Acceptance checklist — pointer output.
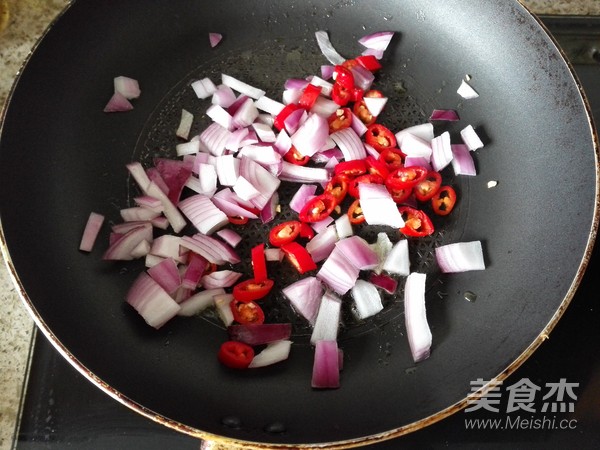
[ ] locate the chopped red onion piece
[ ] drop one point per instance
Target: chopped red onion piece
(219, 115)
(156, 178)
(210, 248)
(363, 78)
(358, 125)
(350, 144)
(230, 207)
(328, 318)
(244, 189)
(423, 131)
(261, 179)
(118, 103)
(460, 257)
(148, 202)
(214, 138)
(283, 142)
(127, 87)
(291, 96)
(415, 146)
(378, 206)
(167, 246)
(91, 231)
(273, 353)
(324, 107)
(411, 161)
(383, 246)
(234, 142)
(223, 96)
(166, 274)
(377, 41)
(321, 246)
(220, 279)
(222, 302)
(151, 301)
(367, 300)
(343, 226)
(260, 334)
(326, 365)
(466, 91)
(463, 163)
(170, 211)
(385, 282)
(241, 87)
(470, 138)
(152, 260)
(263, 154)
(175, 174)
(160, 222)
(207, 177)
(185, 124)
(302, 174)
(230, 236)
(122, 248)
(371, 151)
(246, 114)
(327, 71)
(269, 105)
(268, 213)
(295, 84)
(311, 136)
(326, 86)
(141, 250)
(294, 120)
(188, 148)
(305, 296)
(397, 260)
(214, 39)
(228, 169)
(274, 254)
(199, 302)
(301, 197)
(441, 154)
(327, 48)
(264, 132)
(371, 51)
(138, 213)
(449, 115)
(204, 88)
(321, 225)
(124, 227)
(417, 328)
(358, 252)
(203, 213)
(375, 104)
(337, 272)
(193, 271)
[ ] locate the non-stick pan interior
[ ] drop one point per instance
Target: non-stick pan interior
(62, 157)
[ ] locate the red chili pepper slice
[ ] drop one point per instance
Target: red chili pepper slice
(299, 257)
(392, 157)
(341, 95)
(293, 156)
(247, 312)
(279, 121)
(366, 178)
(350, 63)
(250, 290)
(428, 187)
(352, 168)
(369, 62)
(380, 137)
(377, 167)
(355, 213)
(284, 233)
(344, 77)
(238, 220)
(338, 187)
(400, 194)
(444, 200)
(259, 263)
(309, 96)
(235, 355)
(406, 177)
(361, 110)
(340, 119)
(416, 222)
(318, 208)
(306, 231)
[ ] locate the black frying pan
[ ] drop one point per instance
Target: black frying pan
(62, 157)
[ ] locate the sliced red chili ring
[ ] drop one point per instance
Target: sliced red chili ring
(318, 208)
(393, 157)
(259, 262)
(279, 121)
(235, 355)
(401, 194)
(351, 168)
(251, 290)
(340, 119)
(427, 187)
(355, 213)
(416, 222)
(295, 157)
(247, 312)
(362, 112)
(380, 137)
(299, 257)
(444, 200)
(406, 177)
(338, 187)
(369, 62)
(306, 231)
(309, 96)
(284, 233)
(377, 167)
(366, 178)
(341, 95)
(344, 77)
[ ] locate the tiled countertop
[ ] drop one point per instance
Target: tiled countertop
(26, 22)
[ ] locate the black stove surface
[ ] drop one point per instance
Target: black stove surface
(63, 410)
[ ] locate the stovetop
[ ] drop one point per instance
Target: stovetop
(61, 409)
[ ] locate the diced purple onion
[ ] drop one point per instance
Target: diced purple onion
(377, 41)
(118, 103)
(441, 149)
(367, 300)
(305, 297)
(204, 88)
(358, 252)
(185, 124)
(375, 104)
(122, 248)
(423, 131)
(343, 226)
(223, 96)
(167, 246)
(230, 236)
(328, 318)
(378, 206)
(338, 273)
(224, 312)
(311, 136)
(417, 328)
(383, 246)
(326, 367)
(264, 182)
(466, 91)
(350, 144)
(219, 115)
(398, 260)
(374, 52)
(471, 138)
(241, 87)
(295, 83)
(358, 125)
(127, 87)
(138, 213)
(214, 138)
(274, 254)
(214, 39)
(448, 115)
(199, 301)
(463, 163)
(91, 231)
(326, 86)
(269, 212)
(385, 282)
(193, 272)
(260, 334)
(460, 257)
(302, 174)
(327, 48)
(415, 146)
(213, 250)
(411, 161)
(166, 274)
(327, 71)
(301, 197)
(273, 353)
(321, 246)
(220, 279)
(246, 114)
(151, 301)
(204, 215)
(363, 78)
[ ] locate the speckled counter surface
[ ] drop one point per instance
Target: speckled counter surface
(26, 22)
